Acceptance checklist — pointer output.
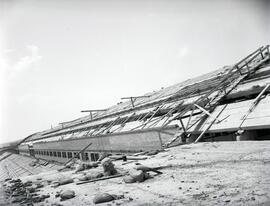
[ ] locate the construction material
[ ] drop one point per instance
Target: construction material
(210, 100)
(147, 169)
(209, 126)
(92, 111)
(254, 104)
(100, 179)
(108, 167)
(118, 157)
(133, 99)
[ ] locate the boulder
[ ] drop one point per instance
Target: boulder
(79, 167)
(103, 197)
(91, 165)
(136, 176)
(94, 175)
(67, 194)
(108, 167)
(82, 178)
(129, 179)
(65, 181)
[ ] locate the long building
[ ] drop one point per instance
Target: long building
(231, 103)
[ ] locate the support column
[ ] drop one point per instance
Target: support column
(242, 135)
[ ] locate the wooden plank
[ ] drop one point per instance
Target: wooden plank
(207, 128)
(100, 179)
(253, 105)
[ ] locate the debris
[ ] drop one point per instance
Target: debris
(136, 176)
(83, 178)
(67, 194)
(65, 181)
(83, 166)
(32, 164)
(103, 197)
(147, 169)
(91, 176)
(124, 158)
(108, 167)
(102, 156)
(100, 179)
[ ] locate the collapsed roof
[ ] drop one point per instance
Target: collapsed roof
(167, 106)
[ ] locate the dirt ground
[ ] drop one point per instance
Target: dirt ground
(218, 173)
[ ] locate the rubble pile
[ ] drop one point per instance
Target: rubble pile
(24, 193)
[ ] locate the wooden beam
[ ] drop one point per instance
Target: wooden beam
(205, 111)
(100, 179)
(91, 111)
(77, 155)
(183, 126)
(208, 127)
(254, 104)
(133, 99)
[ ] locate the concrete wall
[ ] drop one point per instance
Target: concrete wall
(64, 159)
(123, 142)
(23, 149)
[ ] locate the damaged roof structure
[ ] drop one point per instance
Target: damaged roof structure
(231, 103)
(211, 106)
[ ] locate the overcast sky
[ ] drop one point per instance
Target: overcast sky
(59, 57)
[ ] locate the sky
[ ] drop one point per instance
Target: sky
(60, 57)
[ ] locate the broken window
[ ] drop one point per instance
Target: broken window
(69, 154)
(86, 156)
(96, 156)
(64, 154)
(59, 154)
(74, 154)
(92, 157)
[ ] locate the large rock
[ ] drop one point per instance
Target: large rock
(65, 181)
(103, 197)
(67, 194)
(129, 179)
(108, 167)
(93, 175)
(79, 167)
(82, 178)
(136, 176)
(90, 165)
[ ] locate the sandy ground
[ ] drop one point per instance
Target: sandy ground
(219, 173)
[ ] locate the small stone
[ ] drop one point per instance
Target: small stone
(253, 198)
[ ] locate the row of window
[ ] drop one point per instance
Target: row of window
(83, 156)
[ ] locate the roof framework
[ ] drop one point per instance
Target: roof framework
(194, 100)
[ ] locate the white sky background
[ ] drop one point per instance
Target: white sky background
(60, 57)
